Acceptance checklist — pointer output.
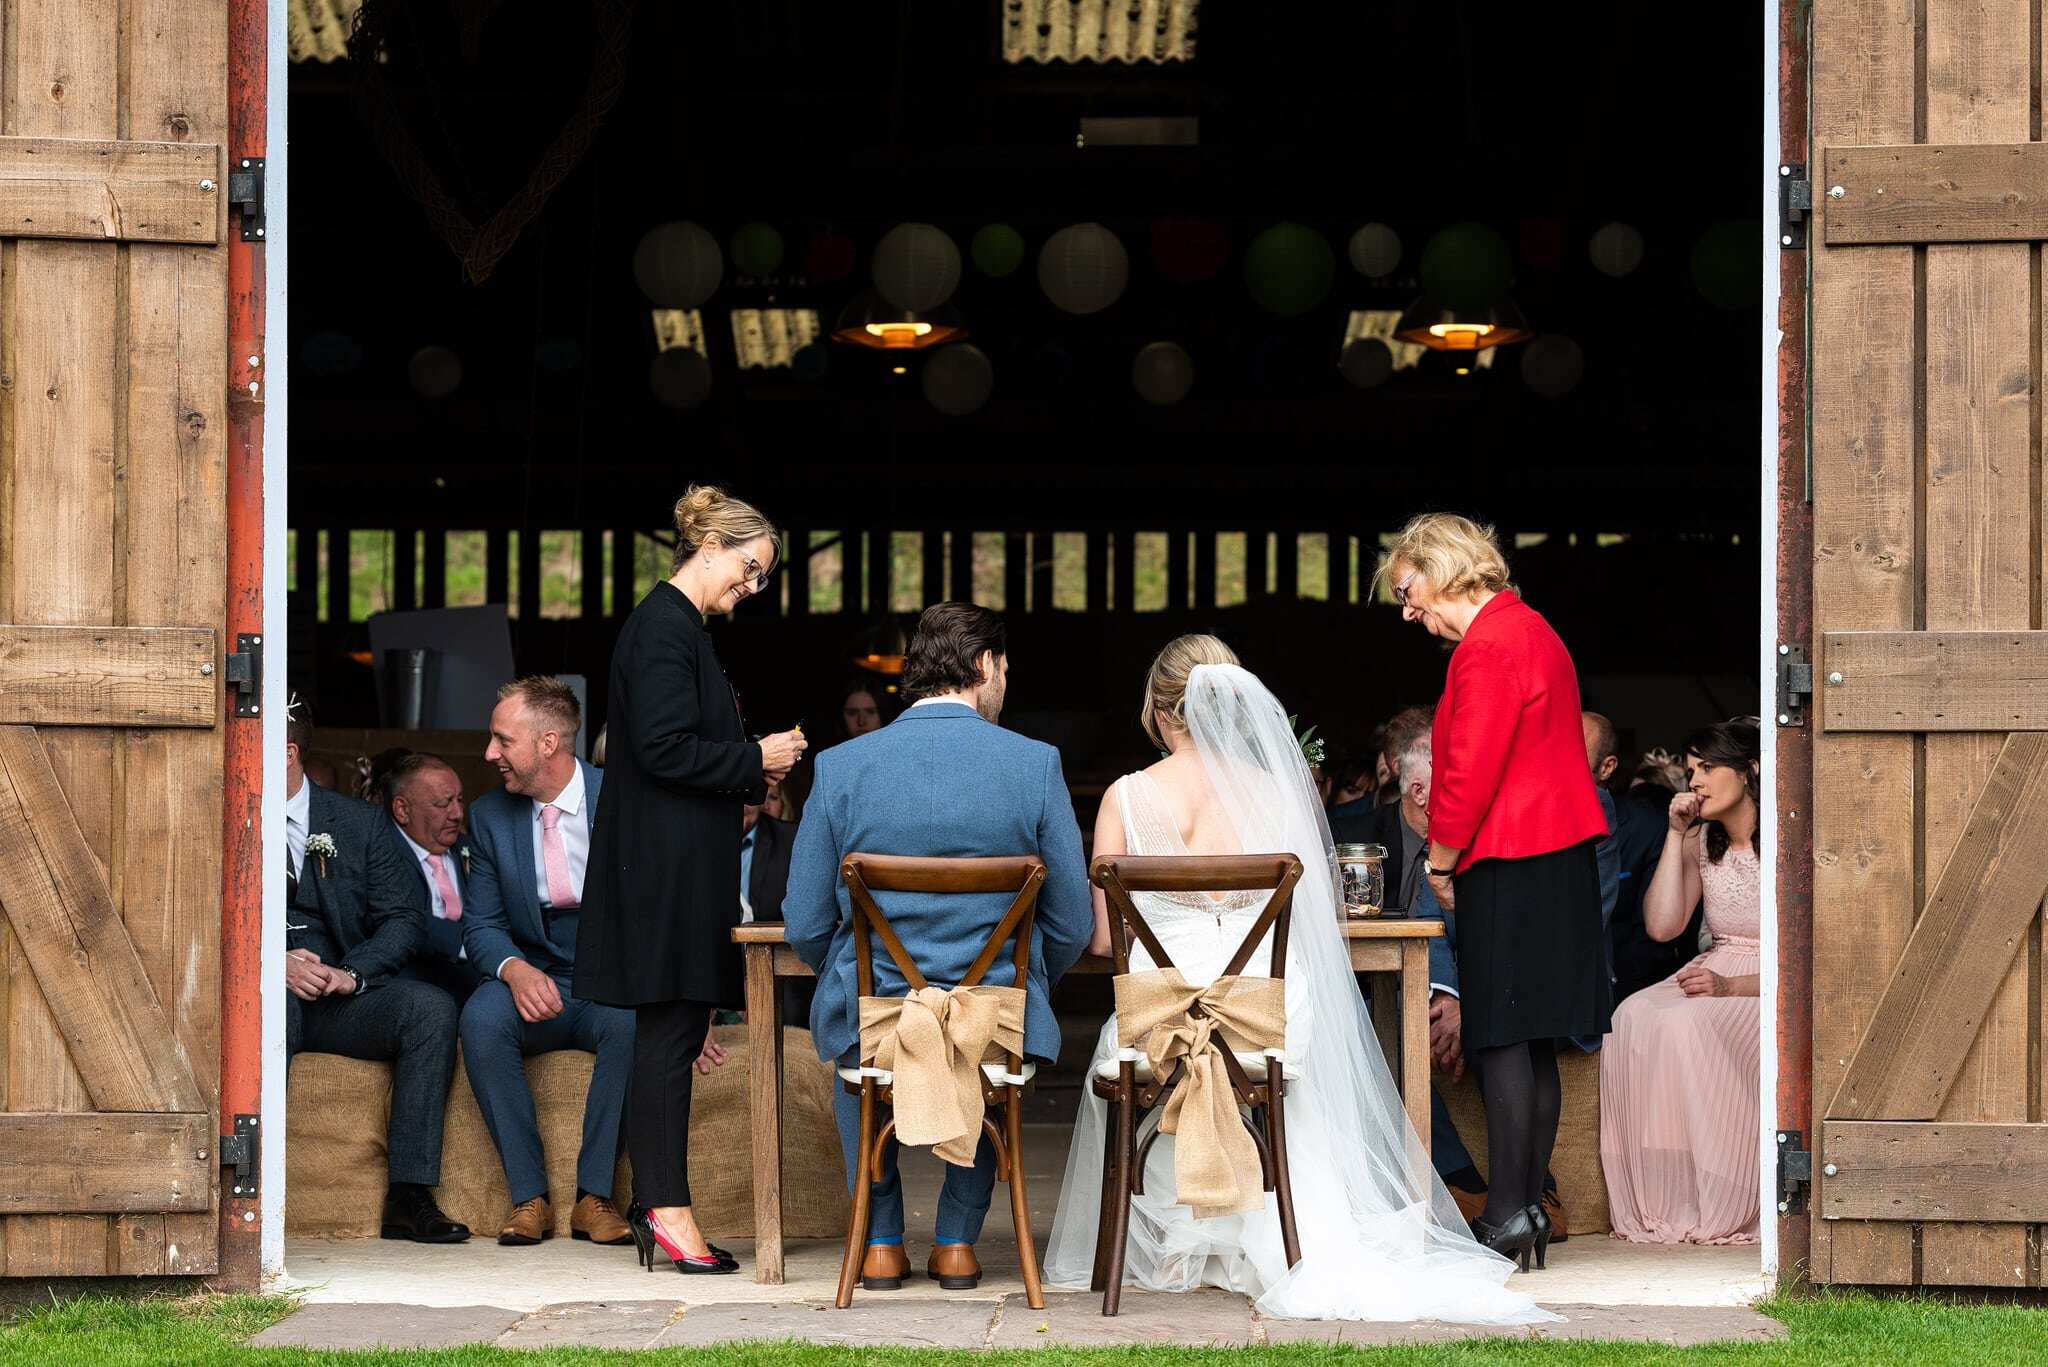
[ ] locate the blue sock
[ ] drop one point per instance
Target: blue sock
(891, 1239)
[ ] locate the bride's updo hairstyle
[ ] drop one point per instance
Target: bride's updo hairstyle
(1460, 557)
(1166, 687)
(705, 509)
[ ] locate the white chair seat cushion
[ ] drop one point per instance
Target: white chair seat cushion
(996, 1074)
(1254, 1067)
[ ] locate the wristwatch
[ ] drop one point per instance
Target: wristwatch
(1430, 870)
(355, 976)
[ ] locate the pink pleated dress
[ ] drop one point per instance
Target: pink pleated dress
(1678, 1088)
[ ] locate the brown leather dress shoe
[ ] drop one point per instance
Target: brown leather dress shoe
(1471, 1204)
(884, 1267)
(529, 1222)
(595, 1218)
(1553, 1206)
(955, 1267)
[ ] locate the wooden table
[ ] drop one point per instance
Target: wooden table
(1396, 947)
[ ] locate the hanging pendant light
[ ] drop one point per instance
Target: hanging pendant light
(1443, 328)
(869, 320)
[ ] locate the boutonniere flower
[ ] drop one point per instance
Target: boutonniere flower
(464, 849)
(320, 845)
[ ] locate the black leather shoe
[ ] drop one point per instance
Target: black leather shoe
(410, 1213)
(1512, 1239)
(1541, 1222)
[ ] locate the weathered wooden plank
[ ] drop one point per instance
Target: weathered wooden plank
(63, 917)
(111, 191)
(109, 676)
(1935, 680)
(110, 1162)
(1917, 193)
(1973, 926)
(1863, 384)
(1905, 1170)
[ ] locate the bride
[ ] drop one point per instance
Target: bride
(1380, 1237)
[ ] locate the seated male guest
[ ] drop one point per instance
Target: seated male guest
(1400, 827)
(532, 845)
(941, 779)
(353, 921)
(765, 846)
(426, 806)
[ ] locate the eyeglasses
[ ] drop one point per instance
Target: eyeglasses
(755, 574)
(1401, 589)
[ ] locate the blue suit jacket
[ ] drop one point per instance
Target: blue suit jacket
(501, 912)
(444, 938)
(938, 781)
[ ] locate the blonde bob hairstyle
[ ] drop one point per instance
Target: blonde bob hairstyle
(706, 510)
(1166, 686)
(1459, 557)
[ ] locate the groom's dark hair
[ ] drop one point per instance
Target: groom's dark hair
(949, 638)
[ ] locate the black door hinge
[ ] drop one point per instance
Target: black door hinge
(1795, 1173)
(245, 673)
(1795, 205)
(243, 1153)
(245, 192)
(1795, 685)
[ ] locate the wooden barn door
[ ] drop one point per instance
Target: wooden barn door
(113, 425)
(1930, 788)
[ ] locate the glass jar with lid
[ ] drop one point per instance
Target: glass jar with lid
(1363, 867)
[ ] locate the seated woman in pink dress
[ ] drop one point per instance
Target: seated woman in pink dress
(1678, 1075)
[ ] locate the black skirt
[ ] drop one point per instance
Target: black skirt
(1532, 957)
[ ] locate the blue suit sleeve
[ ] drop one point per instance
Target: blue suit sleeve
(810, 905)
(1607, 855)
(1066, 912)
(486, 928)
(1443, 950)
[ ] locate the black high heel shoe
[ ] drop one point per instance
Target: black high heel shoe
(645, 1242)
(1512, 1239)
(1542, 1223)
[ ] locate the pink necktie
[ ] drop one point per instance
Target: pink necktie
(554, 857)
(451, 900)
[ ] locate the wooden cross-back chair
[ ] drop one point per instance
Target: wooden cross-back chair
(1129, 1085)
(1004, 1084)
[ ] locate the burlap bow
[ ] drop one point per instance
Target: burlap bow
(1215, 1163)
(934, 1040)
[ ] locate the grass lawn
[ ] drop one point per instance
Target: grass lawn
(1846, 1329)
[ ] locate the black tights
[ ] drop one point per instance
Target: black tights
(1520, 1087)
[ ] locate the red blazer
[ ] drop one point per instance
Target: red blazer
(1508, 749)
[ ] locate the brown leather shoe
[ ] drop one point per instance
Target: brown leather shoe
(529, 1222)
(1553, 1206)
(884, 1268)
(595, 1218)
(955, 1267)
(1471, 1204)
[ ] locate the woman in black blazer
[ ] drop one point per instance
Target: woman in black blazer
(661, 892)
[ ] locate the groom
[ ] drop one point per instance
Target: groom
(941, 780)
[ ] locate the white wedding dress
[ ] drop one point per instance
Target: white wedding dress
(1380, 1237)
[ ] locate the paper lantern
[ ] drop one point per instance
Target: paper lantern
(756, 249)
(1188, 250)
(997, 249)
(1615, 249)
(1163, 372)
(1727, 265)
(1366, 362)
(679, 377)
(1466, 266)
(1289, 268)
(1083, 268)
(678, 264)
(435, 372)
(1552, 365)
(958, 379)
(1375, 250)
(916, 266)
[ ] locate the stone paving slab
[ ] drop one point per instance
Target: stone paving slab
(874, 1319)
(387, 1326)
(1684, 1326)
(592, 1324)
(1199, 1319)
(1376, 1334)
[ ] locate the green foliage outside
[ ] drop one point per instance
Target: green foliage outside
(1826, 1331)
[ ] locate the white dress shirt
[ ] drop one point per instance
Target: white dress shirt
(574, 829)
(298, 819)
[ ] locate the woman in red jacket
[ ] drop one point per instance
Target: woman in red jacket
(1513, 819)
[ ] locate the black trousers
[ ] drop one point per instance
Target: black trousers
(413, 1025)
(667, 1037)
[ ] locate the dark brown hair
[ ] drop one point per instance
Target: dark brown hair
(949, 638)
(397, 779)
(1733, 745)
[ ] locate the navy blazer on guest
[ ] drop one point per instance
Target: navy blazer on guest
(444, 938)
(501, 912)
(357, 907)
(939, 781)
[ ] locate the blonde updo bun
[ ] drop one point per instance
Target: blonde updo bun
(1166, 686)
(705, 510)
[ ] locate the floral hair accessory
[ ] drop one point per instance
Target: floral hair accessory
(1311, 746)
